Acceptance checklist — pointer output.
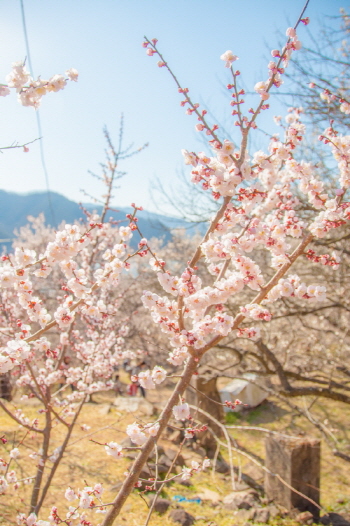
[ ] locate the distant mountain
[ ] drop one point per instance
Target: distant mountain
(15, 209)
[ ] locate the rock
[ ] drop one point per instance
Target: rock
(240, 485)
(254, 472)
(261, 515)
(241, 500)
(305, 517)
(161, 505)
(284, 512)
(334, 519)
(181, 516)
(176, 436)
(244, 515)
(148, 481)
(163, 459)
(199, 450)
(145, 473)
(161, 468)
(160, 450)
(133, 404)
(222, 466)
(166, 461)
(171, 454)
(251, 483)
(274, 511)
(208, 494)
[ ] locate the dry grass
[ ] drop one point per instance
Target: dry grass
(86, 463)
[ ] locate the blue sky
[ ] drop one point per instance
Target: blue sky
(102, 40)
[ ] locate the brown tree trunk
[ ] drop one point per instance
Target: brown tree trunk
(5, 387)
(204, 394)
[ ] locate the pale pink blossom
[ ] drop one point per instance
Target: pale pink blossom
(56, 83)
(290, 32)
(181, 412)
(158, 375)
(72, 74)
(136, 435)
(4, 91)
(146, 380)
(113, 449)
(228, 57)
(70, 494)
(152, 429)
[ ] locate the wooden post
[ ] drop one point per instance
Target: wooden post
(297, 462)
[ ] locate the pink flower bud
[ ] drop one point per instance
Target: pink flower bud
(291, 32)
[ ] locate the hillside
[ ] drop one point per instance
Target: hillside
(15, 209)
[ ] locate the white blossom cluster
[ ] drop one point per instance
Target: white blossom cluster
(30, 91)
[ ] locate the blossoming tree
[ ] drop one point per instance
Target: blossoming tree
(258, 213)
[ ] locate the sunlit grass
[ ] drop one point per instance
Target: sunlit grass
(86, 463)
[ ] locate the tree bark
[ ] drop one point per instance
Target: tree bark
(137, 466)
(203, 393)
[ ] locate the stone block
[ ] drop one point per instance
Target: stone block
(297, 462)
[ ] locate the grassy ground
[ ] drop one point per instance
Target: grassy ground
(86, 463)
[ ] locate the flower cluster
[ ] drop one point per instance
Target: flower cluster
(30, 91)
(196, 467)
(137, 432)
(148, 379)
(275, 69)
